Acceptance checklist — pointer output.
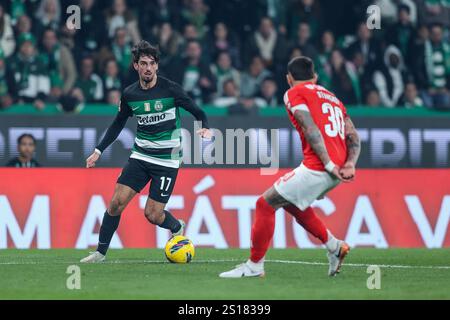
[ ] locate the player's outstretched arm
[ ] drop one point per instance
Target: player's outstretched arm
(111, 135)
(314, 137)
(183, 100)
(353, 150)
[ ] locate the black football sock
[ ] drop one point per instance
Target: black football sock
(170, 222)
(109, 226)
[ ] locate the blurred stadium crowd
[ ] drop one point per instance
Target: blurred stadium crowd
(231, 54)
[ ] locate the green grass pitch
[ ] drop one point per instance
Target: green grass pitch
(290, 274)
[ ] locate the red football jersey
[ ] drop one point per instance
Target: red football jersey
(328, 113)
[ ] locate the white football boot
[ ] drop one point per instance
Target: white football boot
(181, 231)
(242, 270)
(337, 257)
(93, 257)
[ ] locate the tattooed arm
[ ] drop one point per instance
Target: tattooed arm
(353, 150)
(314, 137)
(353, 142)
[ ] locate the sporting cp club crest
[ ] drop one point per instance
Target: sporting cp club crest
(147, 106)
(158, 105)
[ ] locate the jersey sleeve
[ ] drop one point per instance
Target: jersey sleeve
(124, 109)
(117, 125)
(184, 101)
(294, 101)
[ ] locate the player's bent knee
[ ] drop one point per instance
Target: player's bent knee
(116, 207)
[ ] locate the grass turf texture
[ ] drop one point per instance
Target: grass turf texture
(145, 274)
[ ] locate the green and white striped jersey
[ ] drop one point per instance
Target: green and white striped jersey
(158, 135)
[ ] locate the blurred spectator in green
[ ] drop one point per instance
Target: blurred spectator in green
(169, 41)
(223, 40)
(275, 10)
(19, 8)
(119, 50)
(402, 32)
(268, 44)
(252, 79)
(32, 83)
(119, 16)
(294, 53)
(193, 74)
(91, 36)
(373, 98)
(88, 82)
(24, 25)
(68, 38)
(368, 46)
(6, 83)
(267, 97)
(229, 94)
(411, 97)
(305, 11)
(223, 70)
(365, 77)
(157, 13)
(389, 10)
(322, 62)
(303, 40)
(232, 100)
(344, 79)
(111, 78)
(196, 13)
(190, 32)
(433, 69)
(435, 11)
(48, 16)
(59, 62)
(113, 97)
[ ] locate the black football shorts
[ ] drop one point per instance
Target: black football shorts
(137, 173)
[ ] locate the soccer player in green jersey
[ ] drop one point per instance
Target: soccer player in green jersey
(156, 154)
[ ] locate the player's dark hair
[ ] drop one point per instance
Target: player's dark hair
(301, 68)
(145, 49)
(26, 135)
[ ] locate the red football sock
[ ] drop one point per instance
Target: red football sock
(309, 221)
(262, 229)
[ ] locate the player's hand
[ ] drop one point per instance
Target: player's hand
(336, 172)
(205, 133)
(348, 172)
(90, 162)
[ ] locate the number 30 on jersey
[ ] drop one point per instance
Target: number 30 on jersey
(336, 118)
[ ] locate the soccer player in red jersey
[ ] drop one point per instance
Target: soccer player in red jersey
(331, 148)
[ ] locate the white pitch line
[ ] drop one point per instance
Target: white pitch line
(360, 265)
(356, 265)
(112, 262)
